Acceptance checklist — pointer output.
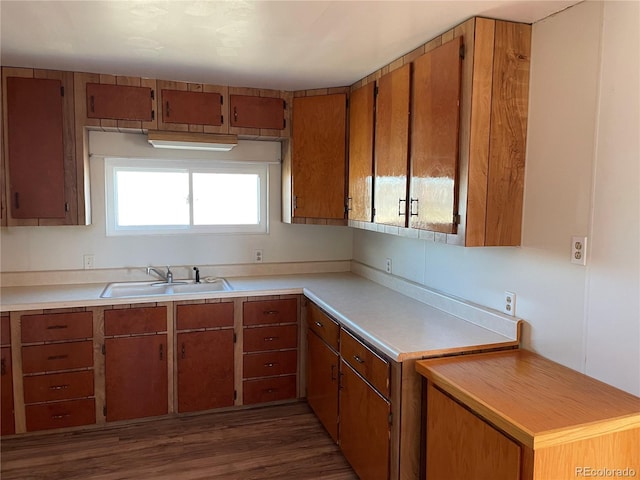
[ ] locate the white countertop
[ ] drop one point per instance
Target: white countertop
(400, 326)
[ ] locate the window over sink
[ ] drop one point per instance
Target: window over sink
(159, 196)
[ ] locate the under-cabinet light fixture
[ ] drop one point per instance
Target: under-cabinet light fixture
(192, 141)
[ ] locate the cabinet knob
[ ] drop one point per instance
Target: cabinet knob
(358, 359)
(319, 324)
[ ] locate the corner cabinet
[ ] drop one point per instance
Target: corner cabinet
(514, 415)
(314, 175)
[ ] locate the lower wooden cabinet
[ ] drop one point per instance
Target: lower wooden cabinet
(7, 422)
(461, 445)
(70, 413)
(322, 382)
(136, 377)
(205, 370)
(262, 390)
(364, 426)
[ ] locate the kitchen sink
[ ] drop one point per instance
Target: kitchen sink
(149, 289)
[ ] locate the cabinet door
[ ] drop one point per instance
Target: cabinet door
(319, 156)
(194, 108)
(461, 445)
(35, 147)
(435, 128)
(392, 145)
(7, 425)
(119, 102)
(136, 377)
(322, 383)
(361, 124)
(205, 370)
(364, 426)
(257, 112)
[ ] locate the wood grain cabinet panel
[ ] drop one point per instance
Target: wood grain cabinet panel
(71, 413)
(264, 312)
(58, 386)
(460, 445)
(119, 102)
(57, 356)
(324, 326)
(361, 128)
(204, 315)
(195, 108)
(131, 321)
(267, 364)
(269, 389)
(5, 330)
(56, 326)
(435, 125)
(392, 147)
(270, 337)
(371, 366)
(249, 111)
(136, 377)
(322, 383)
(364, 426)
(319, 156)
(205, 370)
(7, 419)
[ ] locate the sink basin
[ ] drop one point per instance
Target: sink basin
(149, 289)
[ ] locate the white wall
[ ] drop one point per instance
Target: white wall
(567, 308)
(62, 248)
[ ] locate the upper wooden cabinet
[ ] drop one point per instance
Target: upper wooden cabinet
(319, 156)
(492, 136)
(39, 147)
(435, 121)
(391, 147)
(192, 107)
(361, 126)
(119, 102)
(257, 112)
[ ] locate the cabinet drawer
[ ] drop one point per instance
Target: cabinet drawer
(129, 321)
(5, 330)
(56, 326)
(57, 356)
(270, 311)
(59, 386)
(204, 315)
(268, 389)
(326, 328)
(270, 363)
(60, 414)
(368, 364)
(275, 337)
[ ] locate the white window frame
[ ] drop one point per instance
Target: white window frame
(112, 164)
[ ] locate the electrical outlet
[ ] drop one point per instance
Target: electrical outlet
(579, 250)
(387, 265)
(509, 304)
(257, 255)
(89, 261)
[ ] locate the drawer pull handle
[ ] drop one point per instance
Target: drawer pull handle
(61, 416)
(319, 324)
(270, 364)
(57, 357)
(167, 110)
(270, 312)
(161, 351)
(358, 359)
(58, 387)
(92, 104)
(270, 339)
(57, 327)
(270, 390)
(235, 114)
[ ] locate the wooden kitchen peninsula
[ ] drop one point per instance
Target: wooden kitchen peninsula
(517, 415)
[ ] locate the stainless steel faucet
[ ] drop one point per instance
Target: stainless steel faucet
(167, 277)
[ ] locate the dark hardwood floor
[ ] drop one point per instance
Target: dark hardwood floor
(278, 442)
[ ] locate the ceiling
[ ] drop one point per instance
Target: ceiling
(288, 45)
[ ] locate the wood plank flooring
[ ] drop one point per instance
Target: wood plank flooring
(277, 442)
